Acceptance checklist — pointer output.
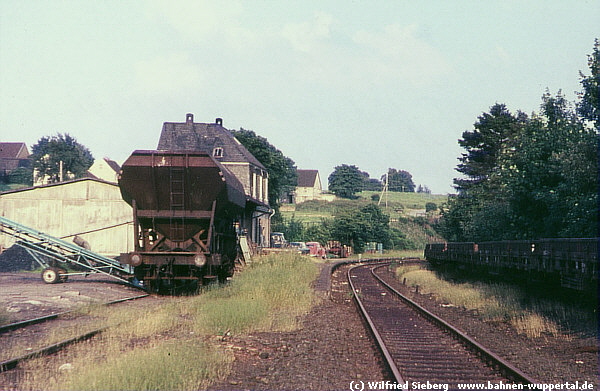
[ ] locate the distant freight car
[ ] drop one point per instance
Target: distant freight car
(572, 263)
(187, 209)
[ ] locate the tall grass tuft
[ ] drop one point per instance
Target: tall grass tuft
(162, 365)
(492, 302)
(270, 295)
(534, 325)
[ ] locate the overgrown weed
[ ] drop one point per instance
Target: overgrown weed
(498, 303)
(270, 295)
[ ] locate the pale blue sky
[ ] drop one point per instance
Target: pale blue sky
(376, 84)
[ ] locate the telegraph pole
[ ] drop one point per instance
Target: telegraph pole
(384, 192)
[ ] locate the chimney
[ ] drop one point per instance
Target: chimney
(189, 118)
(219, 121)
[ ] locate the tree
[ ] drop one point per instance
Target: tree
(431, 207)
(50, 153)
(319, 232)
(552, 180)
(358, 227)
(543, 183)
(423, 189)
(484, 144)
(530, 178)
(345, 181)
(283, 176)
(399, 180)
(481, 191)
(293, 229)
(589, 104)
(371, 184)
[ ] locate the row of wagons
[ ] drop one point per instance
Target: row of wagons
(574, 261)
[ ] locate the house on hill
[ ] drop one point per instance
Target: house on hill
(219, 142)
(308, 188)
(13, 156)
(309, 185)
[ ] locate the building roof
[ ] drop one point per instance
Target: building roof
(205, 137)
(64, 183)
(13, 151)
(112, 164)
(307, 178)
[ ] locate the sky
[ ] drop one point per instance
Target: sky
(375, 84)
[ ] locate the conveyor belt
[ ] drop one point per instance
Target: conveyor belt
(38, 243)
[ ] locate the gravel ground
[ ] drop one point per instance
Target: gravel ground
(332, 348)
(25, 296)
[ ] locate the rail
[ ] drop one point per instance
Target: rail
(41, 319)
(492, 360)
(382, 346)
(505, 367)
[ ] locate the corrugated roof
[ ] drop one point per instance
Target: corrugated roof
(94, 179)
(204, 137)
(307, 178)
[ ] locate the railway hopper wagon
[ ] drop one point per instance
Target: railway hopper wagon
(570, 263)
(187, 209)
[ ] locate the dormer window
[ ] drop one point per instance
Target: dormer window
(218, 152)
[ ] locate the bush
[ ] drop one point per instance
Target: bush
(430, 207)
(21, 175)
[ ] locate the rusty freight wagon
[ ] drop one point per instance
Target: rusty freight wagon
(187, 209)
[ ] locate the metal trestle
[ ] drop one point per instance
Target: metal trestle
(40, 244)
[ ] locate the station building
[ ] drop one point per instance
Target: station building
(219, 142)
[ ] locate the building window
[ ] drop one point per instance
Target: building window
(218, 152)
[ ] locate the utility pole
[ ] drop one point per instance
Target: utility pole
(384, 192)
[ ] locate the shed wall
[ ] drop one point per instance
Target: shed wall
(73, 208)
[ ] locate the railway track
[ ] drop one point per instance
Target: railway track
(42, 319)
(31, 330)
(419, 348)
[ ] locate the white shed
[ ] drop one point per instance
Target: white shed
(89, 208)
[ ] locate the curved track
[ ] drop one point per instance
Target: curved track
(420, 347)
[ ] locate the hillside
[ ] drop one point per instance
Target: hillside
(407, 213)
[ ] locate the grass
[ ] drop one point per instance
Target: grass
(267, 296)
(500, 303)
(314, 210)
(407, 200)
(171, 345)
(167, 365)
(12, 349)
(12, 186)
(4, 316)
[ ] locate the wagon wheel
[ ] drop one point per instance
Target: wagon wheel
(51, 275)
